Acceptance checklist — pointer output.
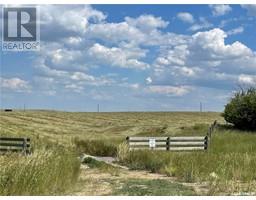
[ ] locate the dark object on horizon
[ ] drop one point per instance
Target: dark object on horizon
(241, 110)
(7, 110)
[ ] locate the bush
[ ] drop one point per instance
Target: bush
(95, 147)
(241, 110)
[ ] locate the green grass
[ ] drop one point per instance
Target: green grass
(157, 187)
(96, 147)
(231, 159)
(45, 172)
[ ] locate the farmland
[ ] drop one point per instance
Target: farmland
(229, 167)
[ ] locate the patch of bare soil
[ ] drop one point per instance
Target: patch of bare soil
(93, 181)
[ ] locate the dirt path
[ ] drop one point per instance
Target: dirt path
(96, 181)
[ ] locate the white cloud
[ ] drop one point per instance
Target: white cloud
(79, 76)
(73, 40)
(116, 57)
(236, 31)
(15, 84)
(169, 90)
(115, 32)
(247, 79)
(220, 9)
(75, 18)
(74, 87)
(185, 17)
(210, 45)
(147, 23)
(148, 80)
(205, 60)
(143, 30)
(202, 24)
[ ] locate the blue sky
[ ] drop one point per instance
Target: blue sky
(134, 58)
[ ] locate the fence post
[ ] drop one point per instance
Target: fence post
(206, 143)
(127, 140)
(209, 132)
(25, 146)
(168, 144)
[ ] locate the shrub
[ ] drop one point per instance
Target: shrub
(241, 110)
(96, 147)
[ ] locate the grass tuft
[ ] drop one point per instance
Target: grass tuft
(42, 173)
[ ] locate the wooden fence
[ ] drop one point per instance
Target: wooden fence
(168, 143)
(15, 145)
(172, 143)
(211, 129)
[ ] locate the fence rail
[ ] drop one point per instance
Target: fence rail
(15, 145)
(168, 143)
(172, 143)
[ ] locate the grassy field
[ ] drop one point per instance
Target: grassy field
(229, 167)
(62, 127)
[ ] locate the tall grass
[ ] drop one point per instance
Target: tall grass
(230, 160)
(96, 147)
(45, 172)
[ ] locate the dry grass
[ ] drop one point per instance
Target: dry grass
(63, 126)
(46, 171)
(233, 161)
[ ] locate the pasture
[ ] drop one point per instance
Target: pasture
(228, 167)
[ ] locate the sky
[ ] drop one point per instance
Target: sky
(133, 58)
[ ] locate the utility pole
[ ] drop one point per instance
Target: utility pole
(24, 107)
(201, 107)
(98, 108)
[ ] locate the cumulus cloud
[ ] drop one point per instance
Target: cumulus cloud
(220, 9)
(211, 45)
(170, 64)
(61, 21)
(202, 24)
(117, 57)
(141, 30)
(205, 61)
(15, 84)
(185, 17)
(169, 90)
(147, 23)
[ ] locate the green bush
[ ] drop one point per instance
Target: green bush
(241, 110)
(96, 147)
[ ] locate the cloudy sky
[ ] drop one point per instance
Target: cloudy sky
(134, 58)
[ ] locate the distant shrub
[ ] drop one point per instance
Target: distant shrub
(241, 110)
(96, 147)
